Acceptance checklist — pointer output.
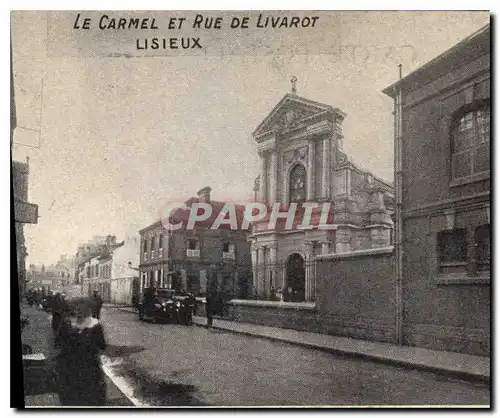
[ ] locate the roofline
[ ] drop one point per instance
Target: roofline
(290, 95)
(156, 223)
(390, 91)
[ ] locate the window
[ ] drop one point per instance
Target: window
(470, 133)
(160, 241)
(145, 245)
(464, 255)
(153, 242)
(482, 247)
(193, 244)
(452, 246)
(298, 178)
(160, 278)
(225, 247)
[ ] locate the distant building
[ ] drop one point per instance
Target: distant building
(124, 272)
(193, 260)
(445, 164)
(89, 249)
(111, 271)
(94, 266)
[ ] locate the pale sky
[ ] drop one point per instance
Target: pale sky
(120, 136)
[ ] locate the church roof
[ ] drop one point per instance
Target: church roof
(308, 107)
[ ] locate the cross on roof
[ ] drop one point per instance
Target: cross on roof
(294, 85)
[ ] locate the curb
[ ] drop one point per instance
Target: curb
(462, 375)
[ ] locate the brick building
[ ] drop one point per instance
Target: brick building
(443, 115)
(192, 260)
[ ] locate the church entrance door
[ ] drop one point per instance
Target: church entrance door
(295, 279)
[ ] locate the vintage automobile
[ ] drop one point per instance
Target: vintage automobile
(162, 306)
(168, 306)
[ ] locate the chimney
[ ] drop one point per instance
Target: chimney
(204, 194)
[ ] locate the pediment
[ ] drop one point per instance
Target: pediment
(290, 111)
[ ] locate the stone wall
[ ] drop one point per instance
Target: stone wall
(356, 299)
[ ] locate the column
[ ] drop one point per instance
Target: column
(309, 261)
(272, 267)
(325, 169)
(254, 268)
(273, 179)
(311, 164)
(261, 266)
(263, 178)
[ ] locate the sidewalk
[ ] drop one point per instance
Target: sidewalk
(38, 373)
(463, 366)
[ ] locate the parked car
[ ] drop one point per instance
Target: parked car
(162, 306)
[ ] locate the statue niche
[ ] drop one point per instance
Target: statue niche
(298, 183)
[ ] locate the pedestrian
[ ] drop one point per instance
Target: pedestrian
(97, 305)
(209, 308)
(58, 313)
(280, 295)
(80, 375)
(135, 302)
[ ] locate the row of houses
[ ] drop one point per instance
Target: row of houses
(109, 267)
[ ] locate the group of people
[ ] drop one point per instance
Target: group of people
(35, 296)
(78, 336)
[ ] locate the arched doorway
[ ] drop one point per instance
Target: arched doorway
(295, 290)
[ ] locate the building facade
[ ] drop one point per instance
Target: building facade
(301, 157)
(24, 213)
(443, 110)
(195, 259)
(124, 273)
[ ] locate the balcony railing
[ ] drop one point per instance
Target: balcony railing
(160, 252)
(153, 253)
(229, 255)
(193, 253)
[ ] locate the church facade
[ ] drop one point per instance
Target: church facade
(301, 161)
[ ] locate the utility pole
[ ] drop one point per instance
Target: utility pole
(398, 224)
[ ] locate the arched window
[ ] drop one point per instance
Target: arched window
(298, 181)
(470, 135)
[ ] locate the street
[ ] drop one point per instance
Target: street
(174, 365)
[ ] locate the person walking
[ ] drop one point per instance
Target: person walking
(135, 302)
(210, 308)
(97, 305)
(58, 313)
(79, 371)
